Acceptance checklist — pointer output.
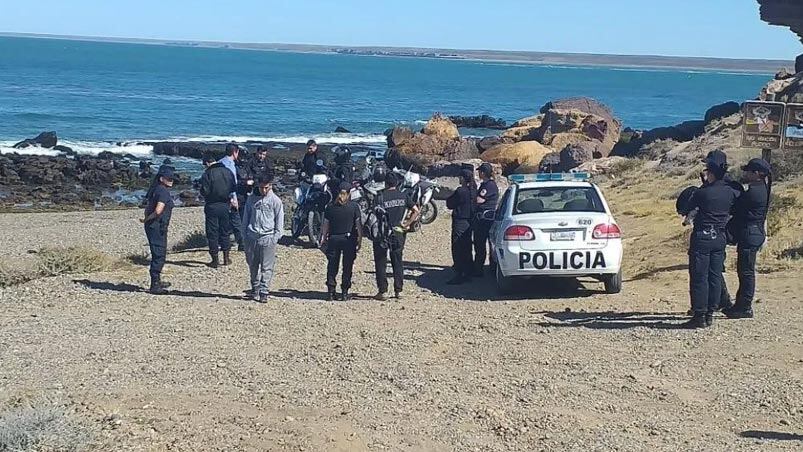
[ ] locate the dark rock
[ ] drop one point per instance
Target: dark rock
(487, 143)
(575, 155)
(398, 136)
(551, 163)
(787, 13)
(44, 139)
(721, 111)
(342, 130)
(685, 131)
(65, 149)
(783, 74)
(479, 122)
(799, 64)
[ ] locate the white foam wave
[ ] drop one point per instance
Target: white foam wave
(331, 138)
(81, 147)
(6, 148)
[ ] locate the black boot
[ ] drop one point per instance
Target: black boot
(709, 320)
(345, 296)
(156, 286)
(215, 262)
(739, 312)
(226, 258)
(332, 296)
(696, 322)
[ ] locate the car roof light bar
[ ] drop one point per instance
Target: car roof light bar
(549, 177)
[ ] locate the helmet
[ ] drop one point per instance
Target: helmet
(342, 154)
(380, 172)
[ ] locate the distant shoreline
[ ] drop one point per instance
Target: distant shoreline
(647, 62)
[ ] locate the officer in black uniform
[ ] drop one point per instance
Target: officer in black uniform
(487, 197)
(341, 238)
(748, 228)
(395, 204)
(260, 166)
(462, 204)
(707, 246)
(309, 164)
(158, 210)
(217, 184)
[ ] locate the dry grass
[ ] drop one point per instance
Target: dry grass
(194, 241)
(12, 276)
(42, 426)
(73, 260)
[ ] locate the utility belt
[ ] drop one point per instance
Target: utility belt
(709, 232)
(346, 235)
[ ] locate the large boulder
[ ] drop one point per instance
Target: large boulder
(514, 157)
(479, 122)
(721, 111)
(523, 130)
(583, 116)
(488, 142)
(44, 139)
(562, 140)
(799, 64)
(442, 127)
(399, 135)
(439, 140)
(577, 154)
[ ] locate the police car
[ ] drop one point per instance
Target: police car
(555, 225)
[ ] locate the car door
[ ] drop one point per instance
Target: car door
(501, 212)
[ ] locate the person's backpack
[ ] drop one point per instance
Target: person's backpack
(378, 227)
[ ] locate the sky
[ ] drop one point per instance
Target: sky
(712, 28)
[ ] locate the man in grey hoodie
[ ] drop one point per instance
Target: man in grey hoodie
(264, 226)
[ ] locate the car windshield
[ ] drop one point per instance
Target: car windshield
(557, 199)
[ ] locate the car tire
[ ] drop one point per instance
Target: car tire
(503, 283)
(613, 283)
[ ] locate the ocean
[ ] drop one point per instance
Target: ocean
(108, 96)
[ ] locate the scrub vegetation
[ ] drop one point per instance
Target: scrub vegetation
(42, 425)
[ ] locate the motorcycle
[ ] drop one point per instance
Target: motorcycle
(421, 191)
(311, 199)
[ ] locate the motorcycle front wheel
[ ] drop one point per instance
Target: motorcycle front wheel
(429, 212)
(315, 227)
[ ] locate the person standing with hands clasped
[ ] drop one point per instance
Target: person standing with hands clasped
(342, 238)
(217, 186)
(462, 204)
(487, 197)
(707, 246)
(395, 204)
(158, 210)
(748, 228)
(264, 226)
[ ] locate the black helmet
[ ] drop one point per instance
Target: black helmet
(342, 154)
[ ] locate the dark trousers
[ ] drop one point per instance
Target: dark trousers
(482, 230)
(706, 261)
(218, 226)
(461, 247)
(236, 219)
(746, 267)
(157, 241)
(395, 249)
(340, 247)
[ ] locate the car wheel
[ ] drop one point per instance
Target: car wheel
(503, 283)
(613, 283)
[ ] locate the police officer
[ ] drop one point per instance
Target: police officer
(158, 210)
(487, 197)
(217, 185)
(395, 204)
(707, 245)
(341, 239)
(309, 164)
(461, 202)
(748, 228)
(260, 166)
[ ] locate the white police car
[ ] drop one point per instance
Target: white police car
(555, 225)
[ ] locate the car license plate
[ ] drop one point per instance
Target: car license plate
(562, 236)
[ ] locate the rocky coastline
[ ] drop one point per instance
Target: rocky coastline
(562, 135)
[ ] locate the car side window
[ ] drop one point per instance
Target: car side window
(500, 211)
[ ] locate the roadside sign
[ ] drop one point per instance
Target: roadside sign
(793, 128)
(763, 124)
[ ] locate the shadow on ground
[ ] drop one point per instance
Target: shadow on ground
(435, 277)
(129, 288)
(613, 320)
(657, 271)
(777, 436)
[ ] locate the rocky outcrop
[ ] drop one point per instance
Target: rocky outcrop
(524, 156)
(479, 122)
(722, 111)
(685, 131)
(438, 141)
(789, 90)
(341, 129)
(579, 116)
(799, 64)
(524, 130)
(45, 139)
(787, 13)
(487, 143)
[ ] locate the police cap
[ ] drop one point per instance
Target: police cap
(758, 165)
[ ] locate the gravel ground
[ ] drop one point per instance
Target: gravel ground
(558, 367)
